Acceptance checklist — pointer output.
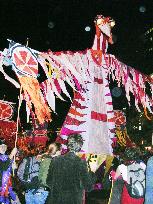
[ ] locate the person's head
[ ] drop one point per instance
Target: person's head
(131, 154)
(3, 146)
(75, 142)
(54, 149)
(32, 150)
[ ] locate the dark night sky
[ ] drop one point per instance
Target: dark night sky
(22, 19)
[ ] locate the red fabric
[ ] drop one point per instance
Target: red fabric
(6, 110)
(78, 95)
(78, 105)
(8, 132)
(120, 118)
(126, 199)
(38, 140)
(96, 56)
(26, 62)
(61, 140)
(40, 132)
(98, 116)
(73, 121)
(99, 81)
(57, 86)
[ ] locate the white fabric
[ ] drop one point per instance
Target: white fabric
(122, 170)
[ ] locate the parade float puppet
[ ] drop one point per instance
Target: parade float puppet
(88, 72)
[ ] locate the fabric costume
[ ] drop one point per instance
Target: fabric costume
(6, 192)
(88, 72)
(68, 177)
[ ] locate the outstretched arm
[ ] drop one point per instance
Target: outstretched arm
(133, 81)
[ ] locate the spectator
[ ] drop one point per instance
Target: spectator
(68, 175)
(54, 149)
(28, 175)
(133, 174)
(6, 165)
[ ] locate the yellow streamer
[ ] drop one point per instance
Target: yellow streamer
(111, 192)
(109, 160)
(52, 70)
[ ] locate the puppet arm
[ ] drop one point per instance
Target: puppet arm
(133, 80)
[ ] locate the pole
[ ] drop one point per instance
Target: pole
(17, 128)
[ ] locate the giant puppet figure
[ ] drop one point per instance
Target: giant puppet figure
(88, 73)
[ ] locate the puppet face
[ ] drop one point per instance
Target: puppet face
(105, 24)
(105, 29)
(3, 148)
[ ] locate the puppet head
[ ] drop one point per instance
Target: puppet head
(104, 25)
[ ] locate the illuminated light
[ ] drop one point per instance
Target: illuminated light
(142, 9)
(148, 148)
(99, 21)
(149, 31)
(112, 23)
(151, 75)
(87, 28)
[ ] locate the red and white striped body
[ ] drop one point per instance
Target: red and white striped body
(91, 113)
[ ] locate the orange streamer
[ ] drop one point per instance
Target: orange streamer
(31, 86)
(74, 112)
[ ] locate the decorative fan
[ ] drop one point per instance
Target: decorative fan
(24, 61)
(6, 110)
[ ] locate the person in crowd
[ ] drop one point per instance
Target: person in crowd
(132, 171)
(6, 166)
(53, 150)
(68, 175)
(149, 182)
(17, 185)
(27, 173)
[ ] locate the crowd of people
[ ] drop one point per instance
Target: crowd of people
(50, 177)
(47, 177)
